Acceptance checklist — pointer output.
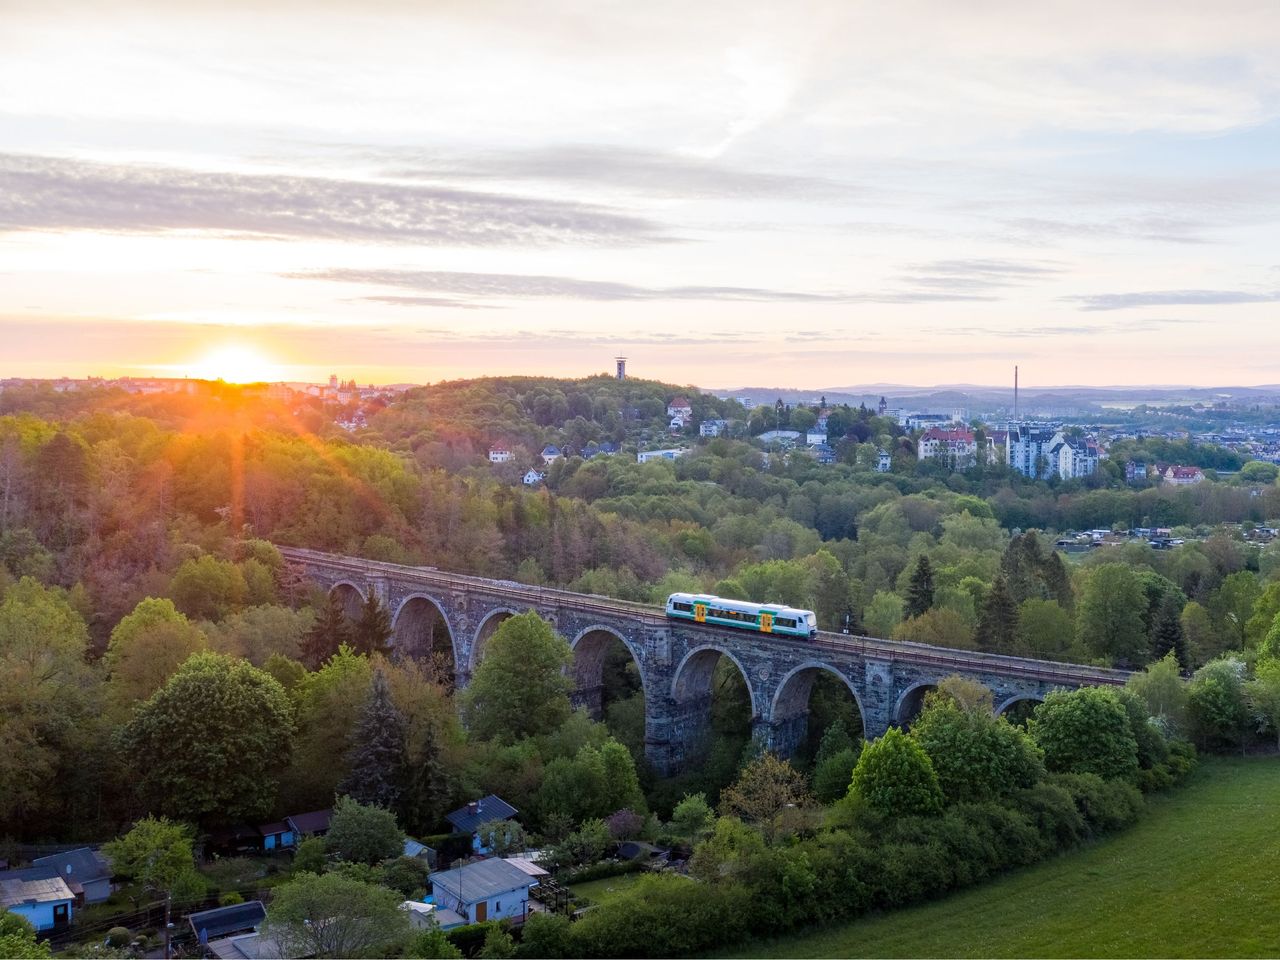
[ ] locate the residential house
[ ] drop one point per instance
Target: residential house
(42, 900)
(680, 409)
(313, 824)
(646, 455)
(277, 836)
(923, 421)
(1134, 471)
(492, 889)
(468, 819)
(550, 454)
(815, 436)
(499, 453)
(713, 428)
(884, 462)
(532, 477)
(958, 448)
(85, 871)
(609, 448)
(1177, 476)
(822, 453)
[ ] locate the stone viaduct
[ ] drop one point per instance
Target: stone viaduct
(435, 612)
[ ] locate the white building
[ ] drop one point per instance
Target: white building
(959, 448)
(713, 428)
(532, 478)
(1073, 457)
(680, 409)
(884, 462)
(494, 889)
(499, 454)
(815, 436)
(646, 455)
(1028, 447)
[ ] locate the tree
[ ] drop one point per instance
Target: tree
(895, 776)
(1085, 731)
(156, 854)
(835, 739)
(262, 632)
(207, 588)
(833, 774)
(976, 756)
(332, 915)
(587, 844)
(1045, 630)
(939, 627)
(1231, 606)
(498, 944)
(329, 703)
(18, 939)
(146, 648)
(545, 936)
(920, 589)
(373, 630)
(1216, 703)
(433, 944)
(360, 833)
(379, 758)
(1109, 616)
(1198, 632)
(1162, 690)
(47, 701)
(883, 614)
(692, 816)
(767, 786)
(428, 793)
(1166, 631)
(998, 622)
(310, 856)
(502, 837)
(519, 689)
(1263, 692)
(208, 744)
(328, 633)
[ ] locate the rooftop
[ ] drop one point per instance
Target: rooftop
(466, 819)
(16, 891)
(82, 864)
(481, 880)
(221, 921)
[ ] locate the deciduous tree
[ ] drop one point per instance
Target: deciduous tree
(520, 688)
(335, 916)
(1085, 731)
(894, 776)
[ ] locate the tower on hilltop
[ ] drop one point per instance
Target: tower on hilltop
(622, 367)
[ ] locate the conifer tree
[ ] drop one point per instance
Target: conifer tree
(424, 802)
(834, 739)
(373, 630)
(998, 622)
(329, 632)
(920, 590)
(1167, 633)
(379, 762)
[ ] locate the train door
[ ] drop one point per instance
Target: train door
(766, 623)
(700, 612)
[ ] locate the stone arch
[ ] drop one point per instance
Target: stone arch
(1024, 699)
(789, 712)
(692, 679)
(417, 626)
(350, 596)
(590, 647)
(911, 702)
(488, 627)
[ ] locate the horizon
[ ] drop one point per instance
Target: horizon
(735, 189)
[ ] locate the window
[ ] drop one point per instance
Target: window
(785, 622)
(682, 607)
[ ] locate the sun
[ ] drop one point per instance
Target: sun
(236, 363)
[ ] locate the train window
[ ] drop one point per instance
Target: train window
(785, 622)
(682, 607)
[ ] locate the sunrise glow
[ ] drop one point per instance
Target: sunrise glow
(236, 363)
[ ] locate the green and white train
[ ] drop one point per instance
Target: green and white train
(742, 615)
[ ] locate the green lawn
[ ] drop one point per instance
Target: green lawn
(1198, 876)
(597, 891)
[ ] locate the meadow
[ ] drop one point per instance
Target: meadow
(1198, 876)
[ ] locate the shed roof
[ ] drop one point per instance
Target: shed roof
(221, 921)
(82, 864)
(315, 821)
(466, 819)
(15, 891)
(482, 880)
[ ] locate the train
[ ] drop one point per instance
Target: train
(743, 615)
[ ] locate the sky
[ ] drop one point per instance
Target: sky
(802, 194)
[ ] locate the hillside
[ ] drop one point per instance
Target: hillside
(1195, 878)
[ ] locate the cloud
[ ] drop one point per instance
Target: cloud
(628, 169)
(1165, 298)
(1130, 325)
(47, 193)
(979, 274)
(429, 302)
(1157, 228)
(524, 286)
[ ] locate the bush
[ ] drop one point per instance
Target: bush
(405, 875)
(1105, 805)
(545, 936)
(362, 833)
(498, 944)
(309, 857)
(598, 871)
(1086, 731)
(432, 944)
(894, 776)
(833, 775)
(1052, 810)
(230, 899)
(975, 755)
(119, 937)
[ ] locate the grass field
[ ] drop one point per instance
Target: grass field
(1198, 876)
(597, 891)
